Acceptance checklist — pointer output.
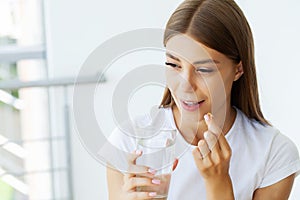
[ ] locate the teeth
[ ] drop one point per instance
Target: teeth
(190, 102)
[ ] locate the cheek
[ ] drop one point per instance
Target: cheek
(228, 81)
(172, 82)
(216, 90)
(175, 81)
(171, 78)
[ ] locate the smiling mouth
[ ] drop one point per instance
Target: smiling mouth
(192, 103)
(191, 106)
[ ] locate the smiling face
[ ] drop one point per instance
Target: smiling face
(199, 78)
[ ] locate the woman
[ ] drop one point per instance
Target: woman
(235, 152)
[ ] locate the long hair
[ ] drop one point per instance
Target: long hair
(222, 26)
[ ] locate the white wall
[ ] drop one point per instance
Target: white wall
(276, 29)
(75, 28)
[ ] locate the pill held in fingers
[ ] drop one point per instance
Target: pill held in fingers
(208, 117)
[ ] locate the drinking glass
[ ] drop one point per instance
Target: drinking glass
(158, 154)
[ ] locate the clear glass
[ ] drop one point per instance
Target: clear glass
(158, 154)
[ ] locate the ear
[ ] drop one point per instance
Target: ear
(239, 71)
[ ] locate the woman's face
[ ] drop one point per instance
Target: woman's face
(199, 78)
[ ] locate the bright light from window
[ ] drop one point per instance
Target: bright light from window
(11, 100)
(13, 148)
(13, 182)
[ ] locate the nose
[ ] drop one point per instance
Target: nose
(188, 82)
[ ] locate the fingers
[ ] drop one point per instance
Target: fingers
(133, 182)
(212, 143)
(215, 139)
(224, 146)
(140, 170)
(212, 155)
(211, 140)
(217, 131)
(139, 177)
(211, 124)
(141, 195)
(203, 148)
(197, 157)
(133, 156)
(209, 144)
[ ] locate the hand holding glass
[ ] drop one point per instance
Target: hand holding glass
(158, 154)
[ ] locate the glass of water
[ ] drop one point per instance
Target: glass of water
(158, 154)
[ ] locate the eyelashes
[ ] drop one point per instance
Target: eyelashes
(171, 64)
(203, 70)
(199, 69)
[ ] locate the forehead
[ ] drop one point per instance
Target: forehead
(185, 47)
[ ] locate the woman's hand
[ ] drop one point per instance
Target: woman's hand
(138, 176)
(212, 157)
(124, 186)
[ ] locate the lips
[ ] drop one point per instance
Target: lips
(191, 105)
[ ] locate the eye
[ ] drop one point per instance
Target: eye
(204, 70)
(172, 65)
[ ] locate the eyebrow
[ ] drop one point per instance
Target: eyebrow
(196, 62)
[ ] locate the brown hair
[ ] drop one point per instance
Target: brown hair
(220, 25)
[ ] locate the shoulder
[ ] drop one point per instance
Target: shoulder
(276, 154)
(254, 130)
(262, 136)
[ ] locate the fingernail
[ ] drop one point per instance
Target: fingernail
(208, 116)
(201, 142)
(138, 152)
(152, 194)
(155, 181)
(152, 171)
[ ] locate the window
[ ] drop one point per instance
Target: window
(33, 158)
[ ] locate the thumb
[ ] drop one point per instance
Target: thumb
(133, 156)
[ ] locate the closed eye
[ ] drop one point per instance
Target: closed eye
(204, 70)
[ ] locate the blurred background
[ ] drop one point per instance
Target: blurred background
(43, 44)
